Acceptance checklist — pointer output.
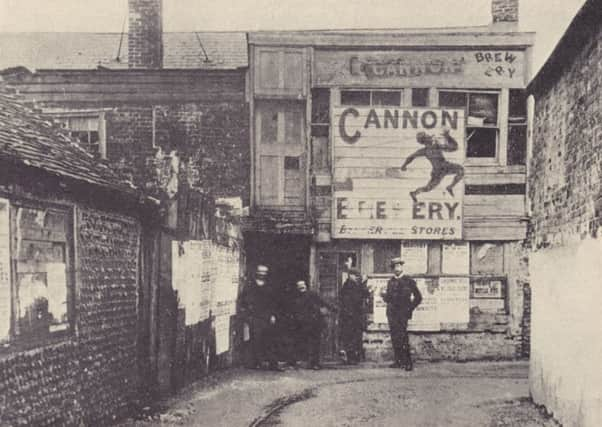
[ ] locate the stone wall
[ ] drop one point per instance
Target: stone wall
(90, 377)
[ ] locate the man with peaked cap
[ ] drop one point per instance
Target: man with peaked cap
(354, 294)
(308, 310)
(402, 297)
(258, 305)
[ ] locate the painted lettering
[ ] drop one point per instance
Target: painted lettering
(428, 119)
(392, 118)
(372, 119)
(350, 139)
(412, 117)
(451, 209)
(435, 209)
(381, 210)
(450, 120)
(342, 207)
(416, 210)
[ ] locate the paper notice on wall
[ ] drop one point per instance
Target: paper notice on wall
(222, 334)
(414, 255)
(454, 299)
(379, 309)
(455, 258)
(4, 271)
(426, 315)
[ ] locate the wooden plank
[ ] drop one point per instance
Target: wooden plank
(494, 205)
(495, 231)
(163, 76)
(269, 180)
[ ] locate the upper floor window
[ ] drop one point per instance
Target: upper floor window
(374, 98)
(482, 126)
(35, 248)
(88, 127)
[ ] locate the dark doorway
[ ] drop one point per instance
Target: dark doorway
(332, 272)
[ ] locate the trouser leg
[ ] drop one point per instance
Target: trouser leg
(396, 338)
(406, 358)
(313, 347)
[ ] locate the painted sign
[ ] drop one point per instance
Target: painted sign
(398, 173)
(445, 302)
(451, 68)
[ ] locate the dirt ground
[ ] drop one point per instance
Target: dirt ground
(492, 394)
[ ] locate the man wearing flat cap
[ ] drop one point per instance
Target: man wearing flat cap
(258, 305)
(354, 294)
(402, 297)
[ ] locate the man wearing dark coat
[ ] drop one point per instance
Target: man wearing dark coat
(259, 307)
(354, 294)
(308, 311)
(402, 297)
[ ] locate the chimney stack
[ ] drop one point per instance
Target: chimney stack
(504, 12)
(145, 34)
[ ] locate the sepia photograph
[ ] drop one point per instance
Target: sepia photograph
(336, 213)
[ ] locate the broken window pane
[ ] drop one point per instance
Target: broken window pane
(483, 106)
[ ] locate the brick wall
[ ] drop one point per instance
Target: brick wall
(92, 377)
(565, 185)
(504, 10)
(566, 198)
(145, 34)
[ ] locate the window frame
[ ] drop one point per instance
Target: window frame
(401, 91)
(497, 159)
(62, 115)
(17, 342)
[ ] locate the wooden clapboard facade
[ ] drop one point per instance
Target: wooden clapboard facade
(300, 86)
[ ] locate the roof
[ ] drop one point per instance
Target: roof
(29, 139)
(484, 35)
(84, 51)
(584, 26)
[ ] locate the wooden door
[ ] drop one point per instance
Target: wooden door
(280, 161)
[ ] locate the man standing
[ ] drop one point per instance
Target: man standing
(353, 299)
(258, 305)
(402, 297)
(308, 313)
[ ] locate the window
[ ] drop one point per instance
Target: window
(482, 131)
(517, 127)
(320, 130)
(371, 97)
(88, 127)
(420, 97)
(34, 272)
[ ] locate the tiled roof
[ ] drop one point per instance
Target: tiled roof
(30, 139)
(84, 51)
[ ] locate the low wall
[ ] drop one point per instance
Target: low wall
(566, 349)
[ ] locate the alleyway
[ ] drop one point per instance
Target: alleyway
(441, 394)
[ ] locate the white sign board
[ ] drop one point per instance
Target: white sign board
(454, 299)
(426, 315)
(379, 309)
(415, 257)
(398, 173)
(455, 258)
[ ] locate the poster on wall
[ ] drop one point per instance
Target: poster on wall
(222, 333)
(454, 299)
(415, 257)
(4, 270)
(426, 315)
(379, 307)
(455, 258)
(398, 173)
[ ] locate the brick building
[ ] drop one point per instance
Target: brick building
(565, 192)
(333, 116)
(70, 273)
